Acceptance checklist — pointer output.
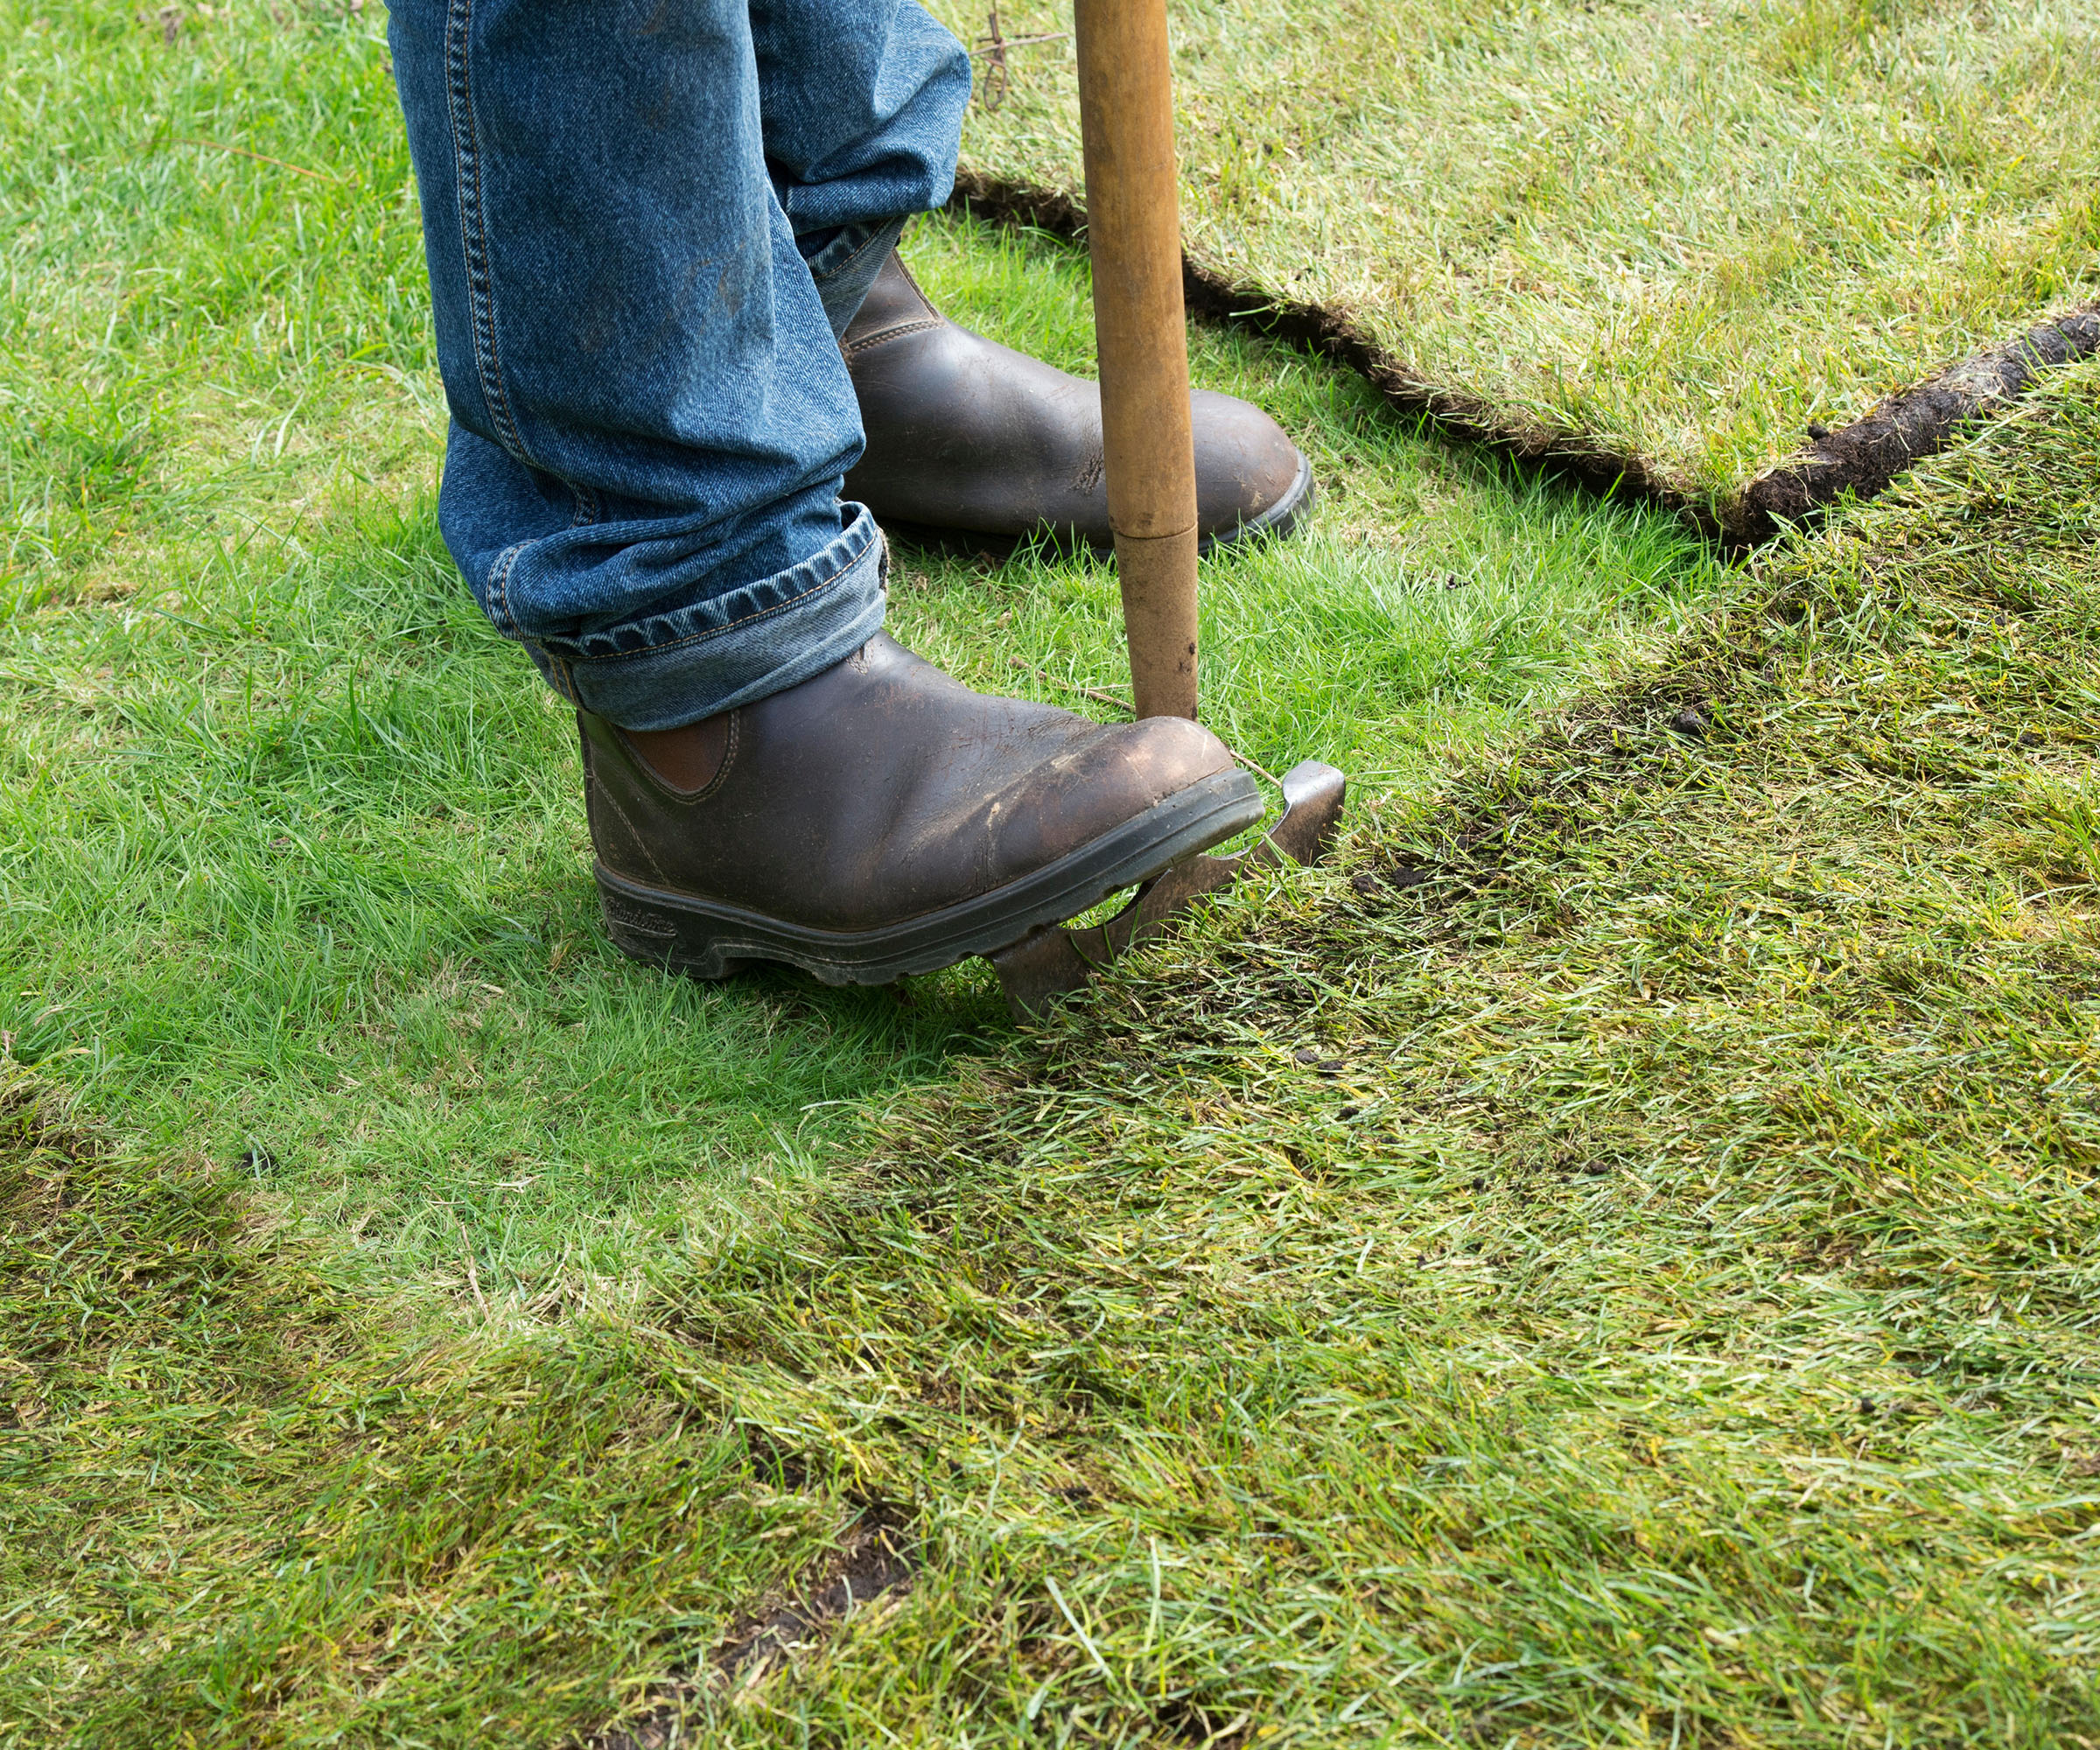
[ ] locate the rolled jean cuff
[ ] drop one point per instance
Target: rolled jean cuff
(845, 268)
(676, 669)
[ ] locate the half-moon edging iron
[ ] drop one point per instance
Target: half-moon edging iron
(1134, 236)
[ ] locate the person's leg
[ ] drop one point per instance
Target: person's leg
(650, 417)
(651, 420)
(862, 104)
(965, 437)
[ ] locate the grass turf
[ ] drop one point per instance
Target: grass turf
(1614, 1267)
(1670, 233)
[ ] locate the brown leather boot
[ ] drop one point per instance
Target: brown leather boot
(969, 441)
(883, 819)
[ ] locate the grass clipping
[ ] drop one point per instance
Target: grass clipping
(1672, 237)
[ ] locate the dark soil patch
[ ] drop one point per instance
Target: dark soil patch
(1864, 457)
(869, 1564)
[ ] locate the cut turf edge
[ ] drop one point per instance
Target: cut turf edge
(1862, 458)
(1858, 460)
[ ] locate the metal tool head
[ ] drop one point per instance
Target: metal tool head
(1054, 962)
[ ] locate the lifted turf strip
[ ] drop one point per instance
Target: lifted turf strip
(1668, 238)
(1859, 459)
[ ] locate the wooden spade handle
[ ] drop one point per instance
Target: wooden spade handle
(1126, 112)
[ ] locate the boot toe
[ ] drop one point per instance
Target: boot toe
(1250, 477)
(1169, 753)
(1104, 782)
(880, 819)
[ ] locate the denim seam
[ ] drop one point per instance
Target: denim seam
(474, 232)
(498, 589)
(714, 631)
(867, 243)
(691, 638)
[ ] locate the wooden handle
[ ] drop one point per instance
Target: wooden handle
(1126, 114)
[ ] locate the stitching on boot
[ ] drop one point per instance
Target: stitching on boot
(635, 838)
(670, 791)
(918, 290)
(916, 325)
(729, 756)
(896, 332)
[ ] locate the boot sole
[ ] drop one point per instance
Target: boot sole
(704, 939)
(1275, 522)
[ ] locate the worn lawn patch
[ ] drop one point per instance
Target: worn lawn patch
(1666, 235)
(242, 1503)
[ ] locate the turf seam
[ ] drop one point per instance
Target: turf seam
(1864, 458)
(872, 1563)
(1858, 460)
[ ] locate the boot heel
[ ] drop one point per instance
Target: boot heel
(657, 936)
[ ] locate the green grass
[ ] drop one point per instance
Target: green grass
(1680, 233)
(291, 845)
(1631, 1285)
(241, 1506)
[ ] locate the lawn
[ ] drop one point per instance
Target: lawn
(1605, 1262)
(293, 846)
(1613, 1263)
(1672, 234)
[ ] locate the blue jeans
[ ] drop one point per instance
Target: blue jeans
(646, 221)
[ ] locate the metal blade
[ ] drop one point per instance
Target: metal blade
(1056, 960)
